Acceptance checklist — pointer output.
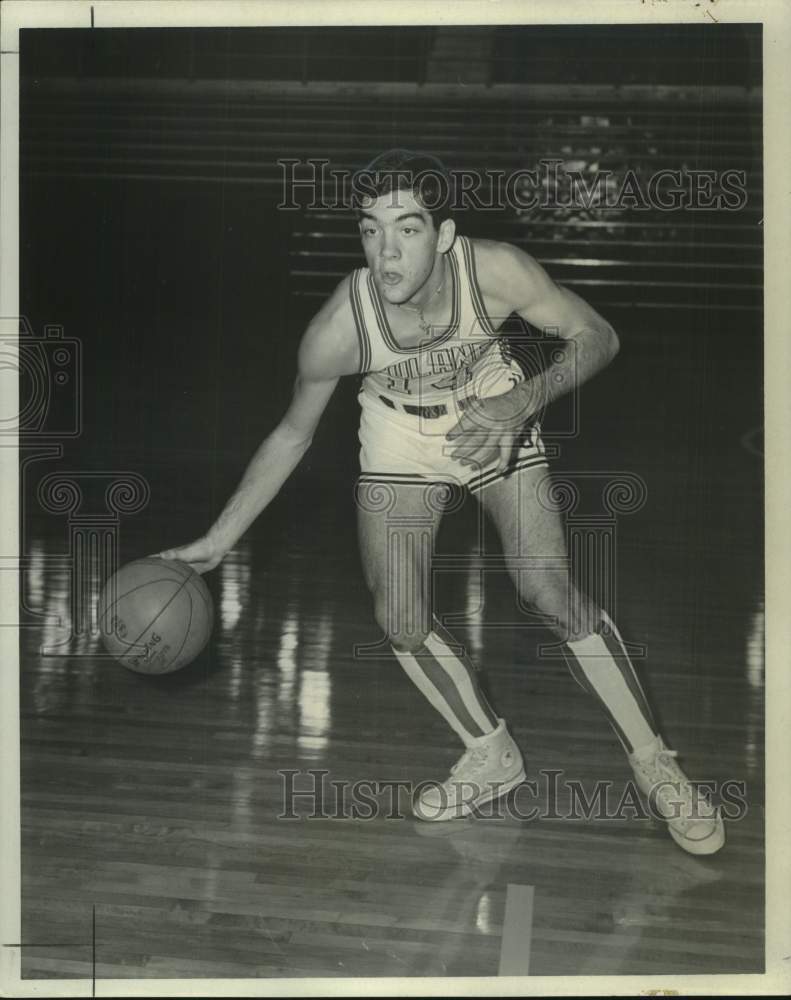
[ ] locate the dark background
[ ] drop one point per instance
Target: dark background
(150, 232)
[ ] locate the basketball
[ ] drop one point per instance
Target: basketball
(155, 615)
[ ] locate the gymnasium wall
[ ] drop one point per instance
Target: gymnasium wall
(150, 183)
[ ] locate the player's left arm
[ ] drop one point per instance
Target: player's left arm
(516, 283)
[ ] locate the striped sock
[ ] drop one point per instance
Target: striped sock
(449, 680)
(601, 665)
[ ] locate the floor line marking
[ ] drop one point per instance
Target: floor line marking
(517, 931)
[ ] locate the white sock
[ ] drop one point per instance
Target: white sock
(601, 665)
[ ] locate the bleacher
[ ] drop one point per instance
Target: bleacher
(224, 109)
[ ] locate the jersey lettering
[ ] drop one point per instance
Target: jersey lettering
(465, 354)
(405, 369)
(455, 380)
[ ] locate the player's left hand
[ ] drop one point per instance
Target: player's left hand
(488, 431)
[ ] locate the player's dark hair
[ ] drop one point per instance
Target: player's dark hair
(422, 174)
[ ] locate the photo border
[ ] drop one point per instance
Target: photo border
(776, 18)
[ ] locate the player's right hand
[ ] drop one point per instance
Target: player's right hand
(202, 555)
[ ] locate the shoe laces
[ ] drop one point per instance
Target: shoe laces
(665, 763)
(474, 759)
(663, 768)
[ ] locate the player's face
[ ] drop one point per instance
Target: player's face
(402, 248)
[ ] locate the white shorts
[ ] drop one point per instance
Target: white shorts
(406, 448)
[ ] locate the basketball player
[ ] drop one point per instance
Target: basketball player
(441, 403)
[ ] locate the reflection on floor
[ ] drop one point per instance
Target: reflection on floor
(158, 803)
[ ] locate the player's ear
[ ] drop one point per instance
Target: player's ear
(447, 233)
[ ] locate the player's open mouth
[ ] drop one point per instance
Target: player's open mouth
(391, 277)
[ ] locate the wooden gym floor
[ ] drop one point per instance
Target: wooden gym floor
(151, 838)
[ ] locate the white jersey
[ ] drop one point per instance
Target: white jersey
(467, 358)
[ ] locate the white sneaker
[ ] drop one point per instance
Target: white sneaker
(491, 766)
(694, 823)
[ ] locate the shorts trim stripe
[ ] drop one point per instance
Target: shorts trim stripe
(379, 477)
(416, 479)
(492, 477)
(359, 321)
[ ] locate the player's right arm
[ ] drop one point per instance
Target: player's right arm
(328, 351)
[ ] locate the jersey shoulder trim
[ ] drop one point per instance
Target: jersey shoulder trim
(358, 312)
(468, 255)
(384, 325)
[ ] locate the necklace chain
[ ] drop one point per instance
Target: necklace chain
(424, 326)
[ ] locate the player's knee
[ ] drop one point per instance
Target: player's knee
(545, 594)
(382, 611)
(570, 614)
(403, 633)
(407, 641)
(570, 622)
(567, 632)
